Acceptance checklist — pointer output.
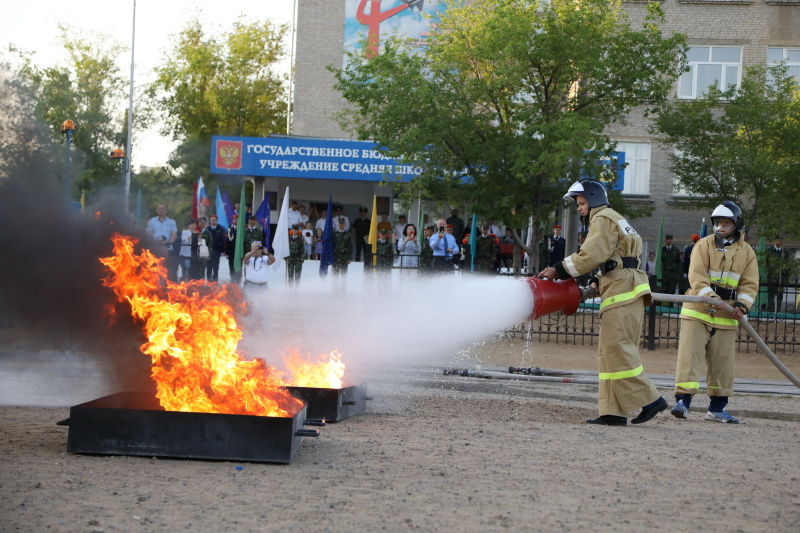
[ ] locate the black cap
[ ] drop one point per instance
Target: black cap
(383, 230)
(295, 226)
(485, 225)
(362, 209)
(341, 220)
(668, 236)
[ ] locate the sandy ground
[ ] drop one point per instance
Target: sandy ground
(432, 453)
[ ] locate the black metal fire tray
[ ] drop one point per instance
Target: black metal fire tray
(133, 423)
(333, 405)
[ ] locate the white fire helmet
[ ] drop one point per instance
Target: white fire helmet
(727, 210)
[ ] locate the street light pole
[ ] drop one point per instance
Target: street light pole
(289, 89)
(67, 127)
(119, 153)
(127, 160)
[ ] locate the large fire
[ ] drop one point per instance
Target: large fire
(192, 339)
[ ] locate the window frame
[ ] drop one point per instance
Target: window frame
(723, 84)
(785, 57)
(636, 165)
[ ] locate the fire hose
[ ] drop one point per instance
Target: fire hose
(742, 321)
(566, 295)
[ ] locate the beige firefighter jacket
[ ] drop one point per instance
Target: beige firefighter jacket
(732, 267)
(610, 237)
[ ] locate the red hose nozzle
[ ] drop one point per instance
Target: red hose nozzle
(551, 296)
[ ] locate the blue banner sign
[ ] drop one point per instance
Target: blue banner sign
(292, 157)
(609, 167)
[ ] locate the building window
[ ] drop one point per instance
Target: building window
(790, 55)
(710, 65)
(637, 171)
(679, 190)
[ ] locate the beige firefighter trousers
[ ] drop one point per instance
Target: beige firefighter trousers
(719, 351)
(624, 387)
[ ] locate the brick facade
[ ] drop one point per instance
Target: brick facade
(752, 24)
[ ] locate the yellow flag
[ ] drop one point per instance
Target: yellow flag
(83, 201)
(373, 230)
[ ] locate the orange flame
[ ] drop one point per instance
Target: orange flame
(320, 374)
(192, 338)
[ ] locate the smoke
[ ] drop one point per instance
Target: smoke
(420, 320)
(51, 294)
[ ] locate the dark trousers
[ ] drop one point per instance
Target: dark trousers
(236, 277)
(774, 297)
(172, 263)
(295, 269)
(363, 249)
(442, 264)
(212, 265)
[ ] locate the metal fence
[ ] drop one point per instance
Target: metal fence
(776, 319)
(661, 328)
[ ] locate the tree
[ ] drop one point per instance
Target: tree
(509, 99)
(86, 89)
(208, 86)
(741, 145)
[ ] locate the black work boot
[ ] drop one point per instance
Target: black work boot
(650, 410)
(609, 420)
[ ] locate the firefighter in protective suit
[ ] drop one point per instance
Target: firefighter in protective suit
(614, 246)
(723, 266)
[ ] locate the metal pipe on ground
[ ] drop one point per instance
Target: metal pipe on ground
(743, 321)
(488, 374)
(536, 371)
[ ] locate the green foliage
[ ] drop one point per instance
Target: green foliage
(219, 86)
(161, 185)
(86, 89)
(741, 145)
(500, 106)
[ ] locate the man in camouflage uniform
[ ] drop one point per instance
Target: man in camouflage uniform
(296, 254)
(670, 266)
(253, 232)
(426, 254)
(484, 251)
(385, 252)
(342, 252)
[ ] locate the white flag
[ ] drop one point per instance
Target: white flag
(280, 244)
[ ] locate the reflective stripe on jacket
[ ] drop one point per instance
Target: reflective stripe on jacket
(610, 237)
(733, 267)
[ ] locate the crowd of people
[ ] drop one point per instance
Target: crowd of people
(722, 266)
(197, 250)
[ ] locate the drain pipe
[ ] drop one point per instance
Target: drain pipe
(743, 321)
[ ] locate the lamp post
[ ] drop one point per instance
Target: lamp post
(67, 128)
(119, 153)
(126, 187)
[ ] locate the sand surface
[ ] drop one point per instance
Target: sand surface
(432, 453)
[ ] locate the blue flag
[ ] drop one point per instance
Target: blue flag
(326, 259)
(222, 215)
(262, 215)
(226, 201)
